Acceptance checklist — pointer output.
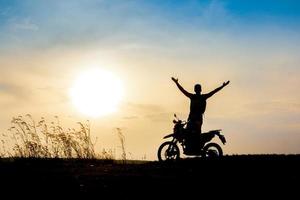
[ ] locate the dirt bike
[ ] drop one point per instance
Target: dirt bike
(193, 144)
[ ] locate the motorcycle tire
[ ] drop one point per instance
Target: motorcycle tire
(212, 150)
(168, 151)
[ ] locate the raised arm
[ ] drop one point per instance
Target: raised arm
(216, 90)
(186, 93)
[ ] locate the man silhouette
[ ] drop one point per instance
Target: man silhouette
(197, 105)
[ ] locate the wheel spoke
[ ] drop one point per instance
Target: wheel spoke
(168, 151)
(212, 150)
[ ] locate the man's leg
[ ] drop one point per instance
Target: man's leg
(199, 124)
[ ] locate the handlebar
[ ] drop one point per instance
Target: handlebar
(178, 120)
(181, 121)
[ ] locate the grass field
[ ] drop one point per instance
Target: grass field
(251, 174)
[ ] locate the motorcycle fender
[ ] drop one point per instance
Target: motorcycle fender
(170, 135)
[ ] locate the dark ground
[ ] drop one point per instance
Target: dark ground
(245, 175)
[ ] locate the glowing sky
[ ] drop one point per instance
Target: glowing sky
(44, 45)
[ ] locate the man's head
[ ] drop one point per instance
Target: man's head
(197, 89)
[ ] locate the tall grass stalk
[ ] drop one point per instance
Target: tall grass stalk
(122, 141)
(44, 139)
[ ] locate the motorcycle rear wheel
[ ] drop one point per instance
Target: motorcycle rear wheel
(212, 150)
(168, 151)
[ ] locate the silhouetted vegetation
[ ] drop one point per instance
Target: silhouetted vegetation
(30, 139)
(122, 141)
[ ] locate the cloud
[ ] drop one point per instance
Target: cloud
(144, 108)
(4, 11)
(18, 92)
(152, 112)
(26, 25)
(215, 13)
(130, 25)
(160, 117)
(3, 87)
(273, 106)
(13, 98)
(130, 117)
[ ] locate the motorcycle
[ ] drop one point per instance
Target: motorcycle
(193, 144)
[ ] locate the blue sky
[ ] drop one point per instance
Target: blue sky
(38, 21)
(285, 10)
(255, 44)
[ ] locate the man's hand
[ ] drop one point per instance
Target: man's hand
(226, 83)
(175, 79)
(186, 93)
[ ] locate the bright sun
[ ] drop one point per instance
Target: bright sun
(96, 93)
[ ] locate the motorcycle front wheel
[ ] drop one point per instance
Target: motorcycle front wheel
(212, 150)
(168, 151)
